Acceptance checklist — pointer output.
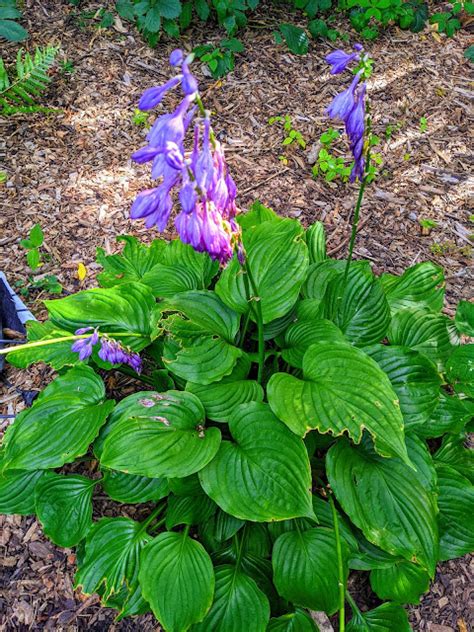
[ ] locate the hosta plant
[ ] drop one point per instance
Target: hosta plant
(289, 420)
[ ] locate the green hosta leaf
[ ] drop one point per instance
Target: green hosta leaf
(421, 286)
(111, 563)
(464, 318)
(298, 621)
(386, 618)
(177, 579)
(17, 491)
(189, 510)
(256, 215)
(205, 330)
(295, 38)
(376, 492)
(264, 473)
(305, 332)
(238, 604)
(456, 513)
(167, 439)
(135, 260)
(323, 511)
(131, 489)
(316, 241)
(220, 398)
(220, 527)
(460, 370)
(64, 507)
(414, 378)
(278, 259)
(57, 355)
(450, 415)
(61, 424)
(454, 452)
(403, 582)
(125, 308)
(422, 331)
(359, 307)
(343, 390)
(305, 568)
(369, 557)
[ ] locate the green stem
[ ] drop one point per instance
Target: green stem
(352, 603)
(244, 329)
(158, 524)
(131, 373)
(240, 550)
(52, 341)
(156, 512)
(258, 312)
(186, 530)
(340, 567)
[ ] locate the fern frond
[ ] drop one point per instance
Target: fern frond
(31, 78)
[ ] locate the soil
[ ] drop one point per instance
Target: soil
(71, 172)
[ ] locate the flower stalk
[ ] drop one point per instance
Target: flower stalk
(340, 567)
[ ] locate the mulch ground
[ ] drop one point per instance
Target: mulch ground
(71, 172)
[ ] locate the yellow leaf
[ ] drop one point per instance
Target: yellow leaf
(81, 271)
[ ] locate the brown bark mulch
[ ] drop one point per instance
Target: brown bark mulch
(71, 172)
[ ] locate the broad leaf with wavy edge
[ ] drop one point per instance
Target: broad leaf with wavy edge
(456, 513)
(460, 370)
(278, 259)
(298, 621)
(203, 335)
(303, 333)
(305, 568)
(450, 415)
(64, 507)
(111, 563)
(403, 582)
(388, 617)
(422, 331)
(375, 492)
(238, 604)
(168, 439)
(316, 242)
(56, 355)
(220, 398)
(131, 489)
(414, 378)
(464, 319)
(421, 286)
(189, 510)
(135, 260)
(177, 578)
(62, 423)
(456, 452)
(343, 390)
(264, 473)
(125, 308)
(17, 491)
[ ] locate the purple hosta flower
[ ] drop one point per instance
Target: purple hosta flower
(206, 231)
(153, 96)
(115, 353)
(343, 103)
(176, 57)
(355, 128)
(202, 162)
(339, 60)
(84, 346)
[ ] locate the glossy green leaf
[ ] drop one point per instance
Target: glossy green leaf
(421, 286)
(167, 439)
(17, 491)
(464, 318)
(62, 423)
(64, 507)
(220, 527)
(316, 242)
(278, 259)
(238, 604)
(460, 370)
(111, 563)
(125, 308)
(257, 214)
(456, 513)
(305, 332)
(422, 331)
(403, 582)
(189, 510)
(131, 489)
(204, 332)
(264, 473)
(414, 378)
(177, 579)
(450, 415)
(135, 260)
(457, 452)
(295, 37)
(375, 492)
(298, 621)
(305, 568)
(57, 355)
(388, 617)
(343, 390)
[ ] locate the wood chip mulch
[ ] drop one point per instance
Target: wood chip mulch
(71, 172)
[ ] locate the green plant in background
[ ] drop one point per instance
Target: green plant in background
(423, 124)
(469, 53)
(448, 21)
(292, 136)
(18, 94)
(32, 246)
(367, 16)
(391, 129)
(219, 59)
(9, 27)
(3, 177)
(140, 119)
(48, 283)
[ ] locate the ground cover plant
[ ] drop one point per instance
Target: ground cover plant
(298, 417)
